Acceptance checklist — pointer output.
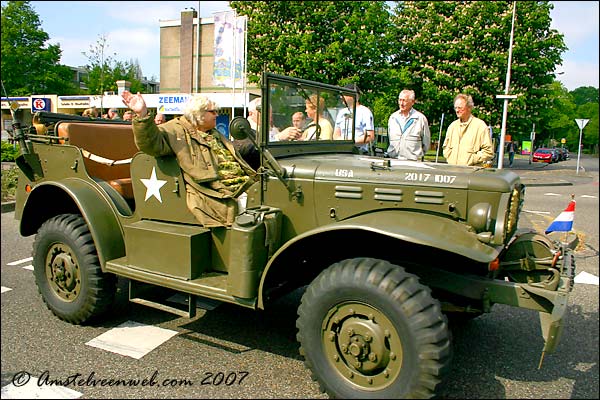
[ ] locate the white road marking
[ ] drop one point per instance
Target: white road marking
(20, 261)
(31, 390)
(551, 194)
(29, 267)
(589, 197)
(132, 339)
(5, 289)
(536, 212)
(584, 277)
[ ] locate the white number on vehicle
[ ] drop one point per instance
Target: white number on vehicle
(422, 177)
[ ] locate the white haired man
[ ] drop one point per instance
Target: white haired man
(215, 174)
(408, 130)
(468, 140)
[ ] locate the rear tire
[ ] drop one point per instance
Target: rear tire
(369, 329)
(67, 270)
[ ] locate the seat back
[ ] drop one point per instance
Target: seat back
(107, 150)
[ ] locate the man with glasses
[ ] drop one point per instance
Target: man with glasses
(468, 140)
(408, 130)
(215, 174)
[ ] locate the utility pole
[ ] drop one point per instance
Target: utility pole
(506, 96)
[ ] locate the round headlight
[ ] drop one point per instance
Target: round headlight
(480, 217)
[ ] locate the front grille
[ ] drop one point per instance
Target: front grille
(514, 209)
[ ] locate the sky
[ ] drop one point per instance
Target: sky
(132, 30)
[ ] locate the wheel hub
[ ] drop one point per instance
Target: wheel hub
(62, 271)
(363, 345)
(364, 342)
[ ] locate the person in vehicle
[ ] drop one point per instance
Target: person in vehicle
(289, 133)
(215, 174)
(320, 128)
(365, 128)
(299, 120)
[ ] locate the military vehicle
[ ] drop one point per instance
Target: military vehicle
(385, 250)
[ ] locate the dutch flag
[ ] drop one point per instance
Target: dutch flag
(564, 222)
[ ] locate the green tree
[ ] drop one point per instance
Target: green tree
(589, 139)
(556, 117)
(451, 47)
(104, 70)
(585, 94)
(29, 65)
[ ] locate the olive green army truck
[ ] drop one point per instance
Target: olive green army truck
(386, 250)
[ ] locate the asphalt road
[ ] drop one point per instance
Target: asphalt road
(495, 356)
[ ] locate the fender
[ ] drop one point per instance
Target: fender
(95, 208)
(423, 229)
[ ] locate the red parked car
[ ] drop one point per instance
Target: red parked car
(545, 155)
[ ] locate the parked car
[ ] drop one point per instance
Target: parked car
(545, 155)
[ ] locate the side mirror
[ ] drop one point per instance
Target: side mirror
(239, 128)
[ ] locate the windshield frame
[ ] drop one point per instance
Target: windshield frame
(290, 148)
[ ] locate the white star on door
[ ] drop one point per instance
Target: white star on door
(153, 186)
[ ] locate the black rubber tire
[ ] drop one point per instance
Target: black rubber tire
(67, 270)
(362, 307)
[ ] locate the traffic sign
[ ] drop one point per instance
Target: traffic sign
(581, 123)
(563, 140)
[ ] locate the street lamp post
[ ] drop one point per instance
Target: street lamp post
(506, 96)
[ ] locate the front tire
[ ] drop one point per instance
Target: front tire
(67, 270)
(369, 329)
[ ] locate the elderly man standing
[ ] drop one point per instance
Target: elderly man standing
(408, 130)
(468, 140)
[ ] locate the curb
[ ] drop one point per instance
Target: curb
(8, 206)
(531, 184)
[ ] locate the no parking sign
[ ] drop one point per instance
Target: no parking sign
(40, 104)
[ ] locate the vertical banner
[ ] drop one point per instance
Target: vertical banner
(229, 49)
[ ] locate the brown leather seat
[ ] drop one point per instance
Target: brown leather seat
(107, 151)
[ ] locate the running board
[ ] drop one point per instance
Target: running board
(154, 296)
(189, 313)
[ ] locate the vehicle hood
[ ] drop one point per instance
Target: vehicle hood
(352, 168)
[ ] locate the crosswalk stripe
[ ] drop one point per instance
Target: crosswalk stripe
(132, 339)
(20, 261)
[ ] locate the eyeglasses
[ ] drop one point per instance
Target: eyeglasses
(459, 108)
(212, 111)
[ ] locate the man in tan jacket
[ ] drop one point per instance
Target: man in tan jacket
(468, 140)
(214, 173)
